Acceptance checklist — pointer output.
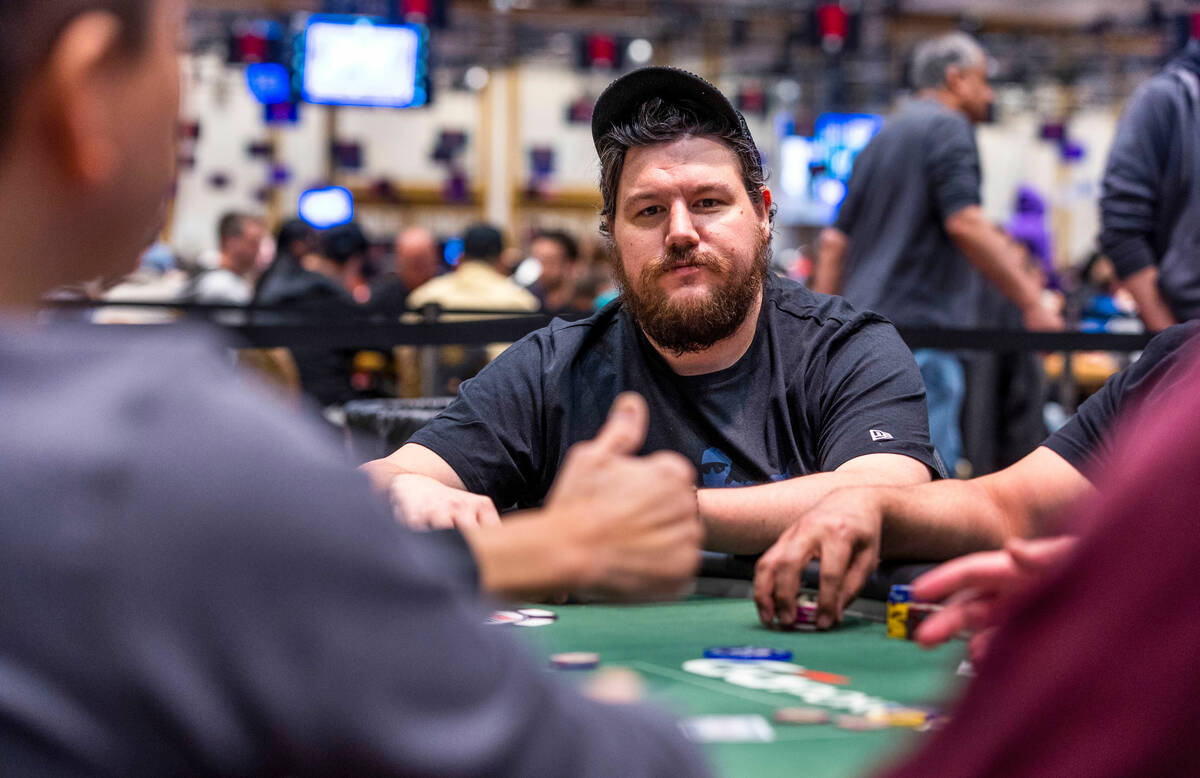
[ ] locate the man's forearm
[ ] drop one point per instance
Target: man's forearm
(523, 560)
(939, 520)
(1152, 308)
(380, 473)
(748, 519)
(831, 260)
(948, 518)
(987, 250)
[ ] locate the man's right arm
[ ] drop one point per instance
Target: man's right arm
(952, 517)
(1001, 264)
(931, 521)
(1151, 307)
(1130, 199)
(831, 261)
(425, 492)
(398, 674)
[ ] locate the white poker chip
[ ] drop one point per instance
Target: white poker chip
(537, 613)
(575, 660)
(504, 617)
(532, 622)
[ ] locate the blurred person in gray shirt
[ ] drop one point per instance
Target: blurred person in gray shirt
(911, 241)
(198, 584)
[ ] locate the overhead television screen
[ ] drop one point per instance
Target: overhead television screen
(358, 61)
(815, 171)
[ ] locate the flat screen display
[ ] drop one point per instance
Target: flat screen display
(814, 172)
(358, 61)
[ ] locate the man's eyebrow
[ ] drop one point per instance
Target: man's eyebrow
(637, 197)
(716, 187)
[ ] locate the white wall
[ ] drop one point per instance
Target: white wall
(397, 144)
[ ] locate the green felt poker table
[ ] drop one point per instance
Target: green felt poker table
(665, 643)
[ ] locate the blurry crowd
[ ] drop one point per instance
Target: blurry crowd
(342, 273)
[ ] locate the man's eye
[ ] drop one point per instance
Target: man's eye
(649, 210)
(709, 202)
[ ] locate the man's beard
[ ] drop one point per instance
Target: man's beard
(693, 325)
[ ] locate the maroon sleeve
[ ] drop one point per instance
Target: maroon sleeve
(1094, 673)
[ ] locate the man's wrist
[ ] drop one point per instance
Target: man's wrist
(525, 557)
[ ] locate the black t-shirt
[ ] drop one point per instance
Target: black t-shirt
(922, 167)
(819, 385)
(1086, 439)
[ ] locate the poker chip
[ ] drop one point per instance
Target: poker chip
(806, 610)
(538, 613)
(504, 617)
(933, 724)
(575, 660)
(859, 723)
(533, 622)
(906, 717)
(801, 716)
(748, 653)
(820, 676)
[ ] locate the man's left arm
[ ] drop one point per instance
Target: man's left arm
(866, 401)
(747, 520)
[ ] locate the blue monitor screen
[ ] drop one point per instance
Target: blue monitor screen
(814, 171)
(358, 61)
(327, 207)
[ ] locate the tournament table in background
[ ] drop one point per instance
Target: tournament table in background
(665, 643)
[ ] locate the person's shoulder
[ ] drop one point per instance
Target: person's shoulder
(1162, 88)
(175, 386)
(520, 297)
(796, 305)
(1155, 103)
(572, 335)
(221, 286)
(431, 290)
(1169, 345)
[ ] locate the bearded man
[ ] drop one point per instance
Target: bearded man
(791, 393)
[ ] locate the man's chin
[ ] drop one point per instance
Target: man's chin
(688, 295)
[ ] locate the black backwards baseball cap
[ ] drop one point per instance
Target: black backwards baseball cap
(625, 95)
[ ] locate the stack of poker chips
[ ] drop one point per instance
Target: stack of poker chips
(806, 609)
(904, 614)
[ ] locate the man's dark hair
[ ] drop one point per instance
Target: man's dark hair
(232, 224)
(659, 121)
(569, 245)
(295, 232)
(344, 242)
(30, 29)
(482, 241)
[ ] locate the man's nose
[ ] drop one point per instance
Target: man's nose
(681, 230)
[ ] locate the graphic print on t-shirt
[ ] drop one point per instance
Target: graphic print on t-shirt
(716, 471)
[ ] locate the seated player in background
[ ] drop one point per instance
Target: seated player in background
(758, 382)
(852, 528)
(1091, 668)
(198, 584)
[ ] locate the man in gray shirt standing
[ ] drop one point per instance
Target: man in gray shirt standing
(911, 239)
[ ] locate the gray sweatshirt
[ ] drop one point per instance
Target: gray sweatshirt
(196, 584)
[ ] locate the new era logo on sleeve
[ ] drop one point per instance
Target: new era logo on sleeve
(878, 435)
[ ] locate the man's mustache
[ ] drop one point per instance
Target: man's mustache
(675, 258)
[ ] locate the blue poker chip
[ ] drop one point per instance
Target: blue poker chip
(747, 653)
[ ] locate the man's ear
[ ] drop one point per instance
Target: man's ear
(954, 78)
(81, 110)
(766, 204)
